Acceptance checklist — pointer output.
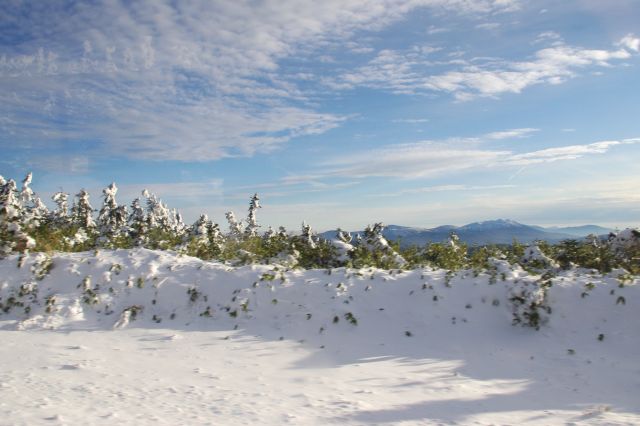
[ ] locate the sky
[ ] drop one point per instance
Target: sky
(340, 113)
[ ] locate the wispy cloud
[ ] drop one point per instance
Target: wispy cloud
(511, 134)
(411, 120)
(196, 80)
(441, 158)
(410, 72)
(571, 152)
(444, 188)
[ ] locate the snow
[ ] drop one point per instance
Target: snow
(151, 337)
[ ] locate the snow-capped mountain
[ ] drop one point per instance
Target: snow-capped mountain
(499, 231)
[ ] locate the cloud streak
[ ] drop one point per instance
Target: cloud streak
(429, 159)
(414, 72)
(188, 81)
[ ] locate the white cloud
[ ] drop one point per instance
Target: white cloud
(181, 80)
(630, 42)
(423, 159)
(405, 72)
(511, 134)
(571, 152)
(445, 188)
(429, 159)
(548, 37)
(489, 26)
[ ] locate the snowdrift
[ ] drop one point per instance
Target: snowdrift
(151, 337)
(159, 289)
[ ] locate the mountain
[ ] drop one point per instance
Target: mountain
(581, 231)
(500, 231)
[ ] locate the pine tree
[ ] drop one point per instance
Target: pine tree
(269, 234)
(252, 223)
(216, 239)
(82, 212)
(27, 195)
(34, 212)
(178, 226)
(137, 223)
(157, 213)
(235, 227)
(343, 236)
(160, 232)
(307, 235)
(60, 216)
(12, 236)
(379, 248)
(112, 218)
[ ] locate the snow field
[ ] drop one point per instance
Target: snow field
(200, 342)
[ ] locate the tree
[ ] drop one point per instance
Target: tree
(82, 212)
(374, 249)
(235, 227)
(252, 223)
(112, 219)
(60, 216)
(137, 223)
(12, 236)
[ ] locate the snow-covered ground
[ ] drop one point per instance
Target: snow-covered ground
(149, 337)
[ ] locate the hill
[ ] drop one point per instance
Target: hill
(500, 231)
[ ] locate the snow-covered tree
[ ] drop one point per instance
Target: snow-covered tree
(60, 216)
(137, 223)
(282, 232)
(625, 248)
(252, 223)
(157, 213)
(308, 236)
(235, 227)
(82, 211)
(269, 234)
(159, 223)
(12, 236)
(196, 240)
(178, 226)
(343, 236)
(341, 243)
(27, 195)
(375, 243)
(535, 258)
(112, 219)
(34, 212)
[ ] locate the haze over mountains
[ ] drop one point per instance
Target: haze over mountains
(500, 231)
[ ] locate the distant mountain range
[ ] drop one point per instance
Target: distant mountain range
(500, 231)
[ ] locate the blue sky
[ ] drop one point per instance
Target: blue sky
(342, 113)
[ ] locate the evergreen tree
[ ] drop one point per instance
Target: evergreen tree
(137, 223)
(12, 236)
(159, 224)
(235, 227)
(198, 240)
(374, 249)
(82, 212)
(252, 223)
(34, 212)
(112, 219)
(307, 235)
(157, 213)
(269, 234)
(178, 226)
(343, 236)
(451, 255)
(60, 216)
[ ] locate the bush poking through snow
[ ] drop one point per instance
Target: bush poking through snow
(529, 303)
